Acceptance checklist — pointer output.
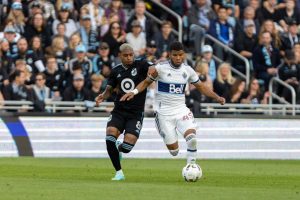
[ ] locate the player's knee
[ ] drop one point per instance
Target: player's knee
(126, 147)
(110, 141)
(174, 152)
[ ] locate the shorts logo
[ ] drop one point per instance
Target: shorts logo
(127, 85)
(133, 72)
(138, 125)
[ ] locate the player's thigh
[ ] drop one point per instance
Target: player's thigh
(166, 127)
(186, 123)
(116, 124)
(133, 125)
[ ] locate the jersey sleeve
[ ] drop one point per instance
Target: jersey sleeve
(193, 76)
(144, 68)
(112, 80)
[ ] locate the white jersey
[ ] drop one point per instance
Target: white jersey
(170, 87)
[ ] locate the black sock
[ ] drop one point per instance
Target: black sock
(125, 147)
(113, 151)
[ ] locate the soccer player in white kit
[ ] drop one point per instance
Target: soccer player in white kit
(172, 115)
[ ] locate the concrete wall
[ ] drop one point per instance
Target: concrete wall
(228, 138)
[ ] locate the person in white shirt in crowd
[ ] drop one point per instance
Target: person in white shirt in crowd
(136, 38)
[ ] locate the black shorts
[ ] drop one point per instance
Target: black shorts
(126, 122)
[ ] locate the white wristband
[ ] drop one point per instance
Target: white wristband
(135, 91)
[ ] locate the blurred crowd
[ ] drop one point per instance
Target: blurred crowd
(65, 50)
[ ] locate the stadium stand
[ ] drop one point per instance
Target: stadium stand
(57, 55)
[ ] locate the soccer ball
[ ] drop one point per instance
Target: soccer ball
(191, 172)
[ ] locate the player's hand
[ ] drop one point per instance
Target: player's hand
(128, 96)
(99, 99)
(221, 100)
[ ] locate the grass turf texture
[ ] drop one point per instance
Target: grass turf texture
(87, 179)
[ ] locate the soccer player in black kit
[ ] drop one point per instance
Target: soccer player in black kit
(127, 116)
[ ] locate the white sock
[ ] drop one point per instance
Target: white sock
(191, 142)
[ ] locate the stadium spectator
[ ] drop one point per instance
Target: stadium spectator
(28, 55)
(3, 76)
(61, 31)
(151, 54)
(237, 90)
(199, 17)
(136, 38)
(296, 49)
(149, 27)
(48, 10)
(268, 10)
(290, 38)
(12, 38)
(75, 40)
(266, 59)
(254, 94)
(36, 47)
(5, 57)
(245, 44)
(67, 3)
(248, 15)
(54, 77)
(64, 16)
(289, 13)
(41, 92)
(289, 72)
(97, 13)
(89, 35)
(38, 27)
(232, 5)
(82, 60)
(34, 8)
(223, 31)
(77, 92)
(269, 26)
(224, 81)
(21, 65)
(164, 38)
(16, 15)
(102, 62)
(17, 89)
(207, 56)
(116, 7)
(96, 87)
(202, 69)
(58, 50)
(115, 37)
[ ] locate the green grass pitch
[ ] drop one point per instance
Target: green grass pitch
(155, 179)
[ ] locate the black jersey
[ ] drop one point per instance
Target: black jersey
(125, 80)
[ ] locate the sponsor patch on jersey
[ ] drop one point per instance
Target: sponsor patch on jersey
(171, 88)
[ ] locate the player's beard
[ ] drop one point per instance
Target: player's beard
(175, 65)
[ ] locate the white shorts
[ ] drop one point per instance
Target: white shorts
(168, 126)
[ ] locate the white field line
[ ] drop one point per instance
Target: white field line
(165, 151)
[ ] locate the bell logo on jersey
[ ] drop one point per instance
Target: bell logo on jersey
(176, 88)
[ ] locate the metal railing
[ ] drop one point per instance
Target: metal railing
(236, 54)
(179, 33)
(229, 108)
(281, 99)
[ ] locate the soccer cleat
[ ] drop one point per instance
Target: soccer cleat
(118, 177)
(118, 143)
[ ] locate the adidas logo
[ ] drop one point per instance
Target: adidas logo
(119, 75)
(169, 75)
